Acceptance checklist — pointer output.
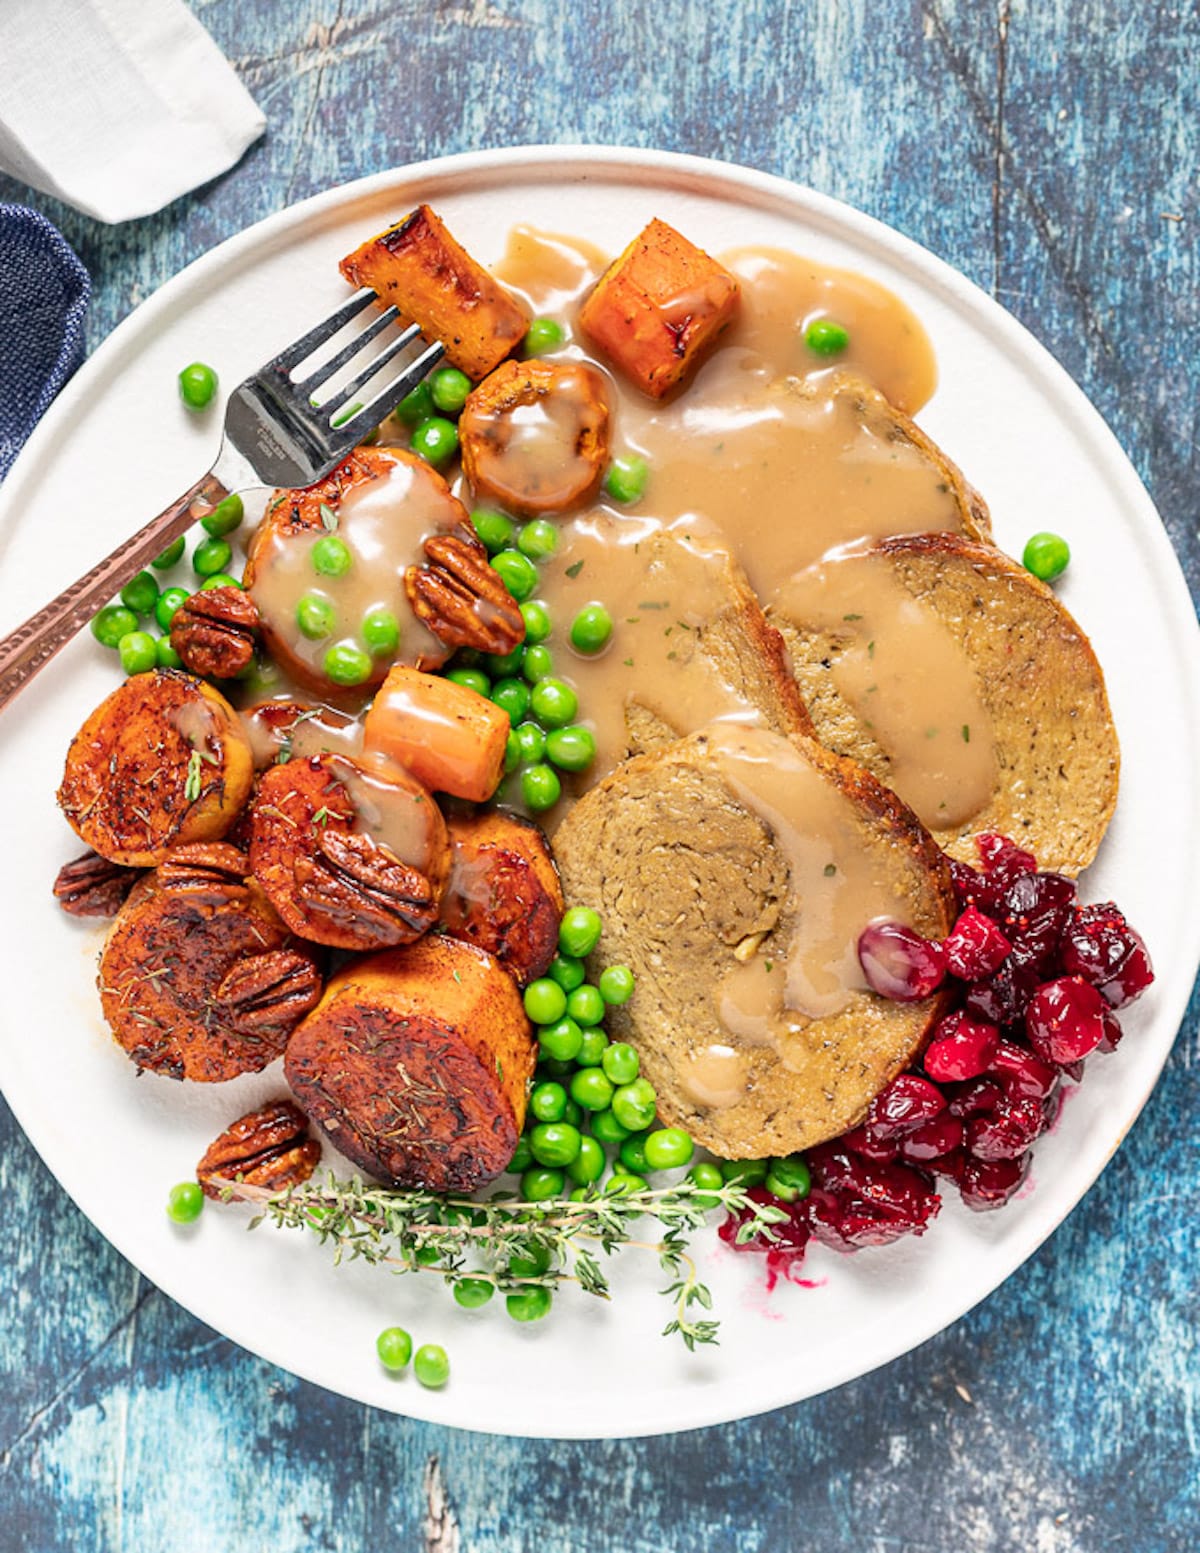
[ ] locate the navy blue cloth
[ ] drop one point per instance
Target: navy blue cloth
(43, 308)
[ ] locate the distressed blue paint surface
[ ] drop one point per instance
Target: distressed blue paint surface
(1041, 149)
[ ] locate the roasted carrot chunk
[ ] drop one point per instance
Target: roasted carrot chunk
(447, 735)
(658, 308)
(419, 268)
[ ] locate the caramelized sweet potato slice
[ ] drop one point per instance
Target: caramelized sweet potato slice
(420, 269)
(415, 1064)
(199, 978)
(535, 435)
(504, 893)
(658, 308)
(162, 761)
(365, 888)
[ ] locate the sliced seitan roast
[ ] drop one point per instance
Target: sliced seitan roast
(962, 682)
(734, 871)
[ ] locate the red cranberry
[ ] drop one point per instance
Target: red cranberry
(898, 963)
(1112, 1033)
(1007, 1132)
(941, 1136)
(905, 1104)
(1099, 945)
(1036, 909)
(1024, 1076)
(949, 1165)
(987, 1183)
(1002, 1000)
(854, 1203)
(861, 1140)
(976, 1099)
(961, 1048)
(974, 947)
(1001, 856)
(1065, 1019)
(970, 888)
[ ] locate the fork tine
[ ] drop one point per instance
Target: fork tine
(347, 353)
(366, 420)
(344, 394)
(292, 355)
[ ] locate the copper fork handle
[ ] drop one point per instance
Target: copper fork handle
(31, 646)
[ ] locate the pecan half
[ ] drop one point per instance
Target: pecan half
(91, 886)
(211, 872)
(268, 1148)
(461, 597)
(353, 882)
(276, 988)
(214, 632)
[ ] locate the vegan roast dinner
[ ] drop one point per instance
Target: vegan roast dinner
(634, 778)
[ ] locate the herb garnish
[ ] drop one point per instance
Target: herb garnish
(574, 571)
(329, 518)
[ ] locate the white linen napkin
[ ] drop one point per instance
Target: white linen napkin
(117, 106)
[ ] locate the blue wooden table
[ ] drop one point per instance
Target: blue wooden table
(1051, 153)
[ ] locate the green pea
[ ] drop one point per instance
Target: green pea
(140, 594)
(185, 1202)
(522, 1157)
(579, 931)
(1046, 556)
(494, 529)
(620, 1063)
(169, 557)
(166, 605)
(532, 1263)
(567, 971)
(138, 651)
(553, 702)
(315, 617)
(165, 654)
(113, 622)
(623, 1185)
(417, 406)
(616, 984)
(197, 385)
(788, 1178)
(517, 572)
(608, 1129)
(380, 630)
(632, 1153)
(226, 516)
(471, 1293)
(449, 388)
(435, 440)
(211, 555)
(537, 663)
(588, 1165)
(426, 1256)
(543, 334)
(538, 540)
(573, 1113)
(708, 1176)
(540, 788)
(548, 1102)
(512, 753)
(745, 1172)
(554, 1143)
(330, 556)
(537, 622)
(540, 1184)
(626, 478)
(471, 679)
(572, 748)
(592, 629)
(219, 580)
(561, 1040)
(591, 1090)
(346, 664)
(431, 1366)
(634, 1104)
(592, 1047)
(504, 666)
(545, 1001)
(528, 1304)
(669, 1147)
(585, 1005)
(824, 337)
(532, 740)
(512, 696)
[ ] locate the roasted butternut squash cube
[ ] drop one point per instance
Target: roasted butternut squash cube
(658, 308)
(419, 268)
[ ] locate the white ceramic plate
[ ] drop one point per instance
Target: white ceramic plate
(117, 445)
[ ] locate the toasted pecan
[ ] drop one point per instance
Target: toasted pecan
(461, 597)
(269, 1148)
(215, 632)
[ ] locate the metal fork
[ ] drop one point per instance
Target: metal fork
(274, 435)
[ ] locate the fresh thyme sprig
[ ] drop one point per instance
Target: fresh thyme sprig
(464, 1237)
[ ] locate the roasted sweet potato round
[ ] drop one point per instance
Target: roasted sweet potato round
(199, 978)
(535, 435)
(415, 1064)
(162, 761)
(365, 888)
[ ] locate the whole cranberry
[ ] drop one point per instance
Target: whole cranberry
(902, 1106)
(861, 1140)
(1003, 857)
(974, 947)
(1099, 945)
(1002, 999)
(1036, 909)
(1007, 1132)
(898, 963)
(855, 1203)
(1023, 1075)
(977, 1098)
(1065, 1019)
(941, 1136)
(986, 1183)
(961, 1048)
